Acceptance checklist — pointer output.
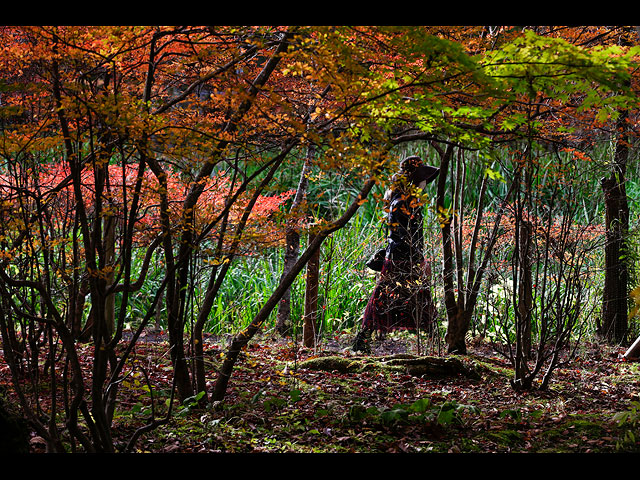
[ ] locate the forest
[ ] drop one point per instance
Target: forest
(187, 215)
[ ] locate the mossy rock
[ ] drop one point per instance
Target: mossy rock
(506, 437)
(418, 366)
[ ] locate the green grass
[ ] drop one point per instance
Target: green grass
(345, 283)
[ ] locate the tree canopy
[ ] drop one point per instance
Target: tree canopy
(125, 148)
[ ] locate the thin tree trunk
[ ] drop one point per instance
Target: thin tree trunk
(309, 329)
(460, 309)
(525, 286)
(110, 255)
(292, 238)
(525, 232)
(292, 250)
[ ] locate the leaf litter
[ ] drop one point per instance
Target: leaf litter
(274, 405)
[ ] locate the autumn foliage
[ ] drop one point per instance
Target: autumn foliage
(124, 147)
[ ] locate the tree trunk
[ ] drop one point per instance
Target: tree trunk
(309, 329)
(110, 255)
(615, 294)
(292, 239)
(614, 302)
(292, 249)
(460, 308)
(525, 286)
(457, 328)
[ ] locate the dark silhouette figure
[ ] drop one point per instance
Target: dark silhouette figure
(402, 298)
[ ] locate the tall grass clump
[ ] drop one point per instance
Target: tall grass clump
(344, 283)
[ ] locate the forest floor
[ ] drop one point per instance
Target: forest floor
(276, 404)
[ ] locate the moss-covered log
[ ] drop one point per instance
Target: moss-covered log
(418, 366)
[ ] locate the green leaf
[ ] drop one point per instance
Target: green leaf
(295, 395)
(421, 406)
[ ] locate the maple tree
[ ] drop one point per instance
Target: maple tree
(538, 75)
(127, 145)
(529, 88)
(96, 101)
(164, 110)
